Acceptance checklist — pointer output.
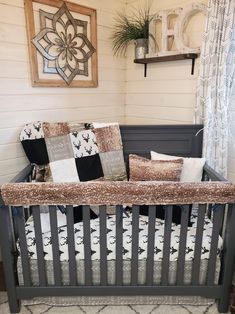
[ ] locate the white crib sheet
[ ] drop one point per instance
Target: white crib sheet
(127, 239)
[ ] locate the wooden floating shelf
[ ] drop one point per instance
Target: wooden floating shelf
(181, 56)
(176, 57)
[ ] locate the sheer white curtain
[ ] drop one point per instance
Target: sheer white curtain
(217, 73)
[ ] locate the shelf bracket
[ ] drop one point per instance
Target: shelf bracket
(193, 65)
(145, 70)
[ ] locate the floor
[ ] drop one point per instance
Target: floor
(125, 309)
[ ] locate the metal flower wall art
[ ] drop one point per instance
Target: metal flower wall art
(64, 47)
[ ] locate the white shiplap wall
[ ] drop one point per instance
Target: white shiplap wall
(167, 94)
(20, 103)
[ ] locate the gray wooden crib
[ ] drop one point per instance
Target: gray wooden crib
(119, 276)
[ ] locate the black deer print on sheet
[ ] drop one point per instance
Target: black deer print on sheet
(127, 240)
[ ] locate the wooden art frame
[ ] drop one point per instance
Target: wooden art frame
(80, 74)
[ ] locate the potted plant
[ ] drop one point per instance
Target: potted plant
(132, 28)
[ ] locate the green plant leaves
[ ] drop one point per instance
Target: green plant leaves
(129, 28)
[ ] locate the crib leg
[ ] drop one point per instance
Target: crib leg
(7, 241)
(224, 301)
(227, 262)
(223, 304)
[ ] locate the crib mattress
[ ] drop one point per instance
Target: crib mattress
(111, 272)
(127, 239)
(91, 300)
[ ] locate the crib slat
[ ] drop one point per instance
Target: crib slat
(151, 242)
(209, 210)
(39, 246)
(87, 245)
(135, 245)
(55, 245)
(103, 246)
(217, 222)
(20, 222)
(119, 235)
(182, 244)
(166, 245)
(198, 244)
(71, 246)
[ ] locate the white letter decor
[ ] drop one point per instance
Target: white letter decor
(183, 16)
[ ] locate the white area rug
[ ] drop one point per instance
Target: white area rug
(125, 309)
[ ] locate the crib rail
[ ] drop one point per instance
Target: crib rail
(118, 192)
(208, 285)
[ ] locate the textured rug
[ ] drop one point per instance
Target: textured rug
(124, 309)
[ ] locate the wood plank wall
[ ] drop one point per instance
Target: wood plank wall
(20, 103)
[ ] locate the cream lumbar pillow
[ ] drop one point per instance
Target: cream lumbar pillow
(192, 167)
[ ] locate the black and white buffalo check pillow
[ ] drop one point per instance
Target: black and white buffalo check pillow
(73, 152)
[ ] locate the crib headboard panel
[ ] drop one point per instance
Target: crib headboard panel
(179, 140)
